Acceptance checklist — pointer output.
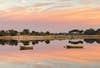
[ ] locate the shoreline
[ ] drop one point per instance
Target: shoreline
(50, 37)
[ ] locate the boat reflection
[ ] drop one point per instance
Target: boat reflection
(26, 47)
(73, 46)
(76, 42)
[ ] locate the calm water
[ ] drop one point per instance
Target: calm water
(50, 54)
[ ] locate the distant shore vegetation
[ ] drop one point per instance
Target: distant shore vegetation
(13, 32)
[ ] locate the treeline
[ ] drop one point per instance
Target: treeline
(24, 32)
(85, 32)
(35, 33)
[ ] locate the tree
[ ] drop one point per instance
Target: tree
(12, 32)
(3, 33)
(90, 32)
(98, 32)
(76, 32)
(47, 33)
(25, 32)
(33, 33)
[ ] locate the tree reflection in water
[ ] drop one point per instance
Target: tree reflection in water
(12, 42)
(90, 40)
(47, 41)
(25, 42)
(34, 42)
(9, 42)
(15, 42)
(98, 41)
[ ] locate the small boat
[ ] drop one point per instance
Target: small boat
(26, 47)
(73, 46)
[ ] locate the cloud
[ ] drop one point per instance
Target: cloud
(89, 1)
(49, 6)
(85, 13)
(44, 5)
(59, 6)
(35, 5)
(80, 18)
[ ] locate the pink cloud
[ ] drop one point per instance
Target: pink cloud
(55, 20)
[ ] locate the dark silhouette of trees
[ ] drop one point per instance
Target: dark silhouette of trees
(8, 33)
(3, 33)
(12, 32)
(76, 32)
(25, 32)
(47, 33)
(90, 32)
(98, 32)
(40, 33)
(35, 33)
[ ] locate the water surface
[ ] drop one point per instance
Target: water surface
(51, 55)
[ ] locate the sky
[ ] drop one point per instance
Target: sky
(49, 15)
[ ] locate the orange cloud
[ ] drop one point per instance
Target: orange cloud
(80, 14)
(52, 20)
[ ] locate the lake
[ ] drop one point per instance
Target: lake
(50, 54)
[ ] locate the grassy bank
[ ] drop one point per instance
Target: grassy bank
(50, 37)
